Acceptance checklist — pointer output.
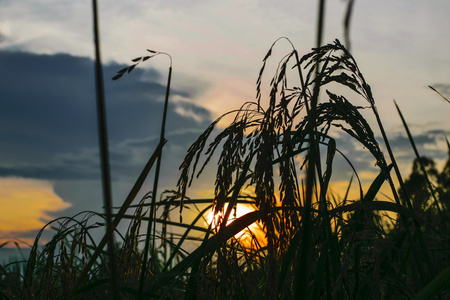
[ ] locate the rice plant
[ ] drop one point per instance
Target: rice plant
(261, 160)
(351, 254)
(302, 239)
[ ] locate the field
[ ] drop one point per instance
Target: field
(299, 240)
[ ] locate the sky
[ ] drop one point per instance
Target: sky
(49, 150)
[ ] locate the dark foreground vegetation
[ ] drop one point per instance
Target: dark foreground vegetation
(277, 155)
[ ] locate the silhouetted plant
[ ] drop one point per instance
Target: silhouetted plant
(260, 160)
(261, 139)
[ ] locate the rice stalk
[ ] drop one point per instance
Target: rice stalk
(131, 196)
(103, 144)
(155, 190)
(268, 150)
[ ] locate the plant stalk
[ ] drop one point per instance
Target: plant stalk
(304, 265)
(104, 157)
(152, 213)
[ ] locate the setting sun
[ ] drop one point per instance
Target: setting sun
(253, 237)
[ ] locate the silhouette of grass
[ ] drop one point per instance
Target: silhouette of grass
(278, 156)
(352, 254)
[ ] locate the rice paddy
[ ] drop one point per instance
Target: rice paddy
(273, 228)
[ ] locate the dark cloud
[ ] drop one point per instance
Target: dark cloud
(427, 144)
(430, 143)
(48, 124)
(351, 155)
(47, 105)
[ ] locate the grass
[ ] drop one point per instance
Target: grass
(263, 157)
(277, 155)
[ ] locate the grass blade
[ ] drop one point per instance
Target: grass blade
(416, 152)
(137, 186)
(435, 286)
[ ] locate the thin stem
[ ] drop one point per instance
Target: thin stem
(104, 158)
(152, 213)
(137, 186)
(303, 269)
(418, 231)
(416, 152)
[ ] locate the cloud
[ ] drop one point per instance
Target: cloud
(48, 116)
(430, 143)
(48, 130)
(48, 119)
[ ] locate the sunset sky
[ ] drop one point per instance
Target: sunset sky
(49, 151)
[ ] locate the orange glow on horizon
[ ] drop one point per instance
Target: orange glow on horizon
(25, 203)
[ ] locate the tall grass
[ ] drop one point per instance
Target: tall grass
(103, 148)
(278, 155)
(349, 257)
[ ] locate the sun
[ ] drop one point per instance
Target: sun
(252, 237)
